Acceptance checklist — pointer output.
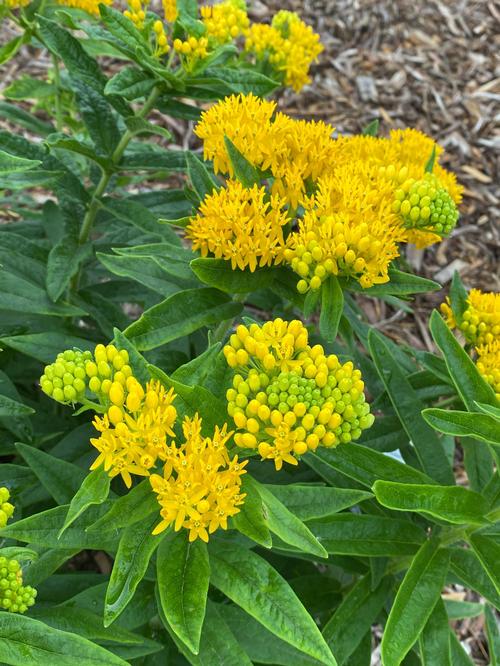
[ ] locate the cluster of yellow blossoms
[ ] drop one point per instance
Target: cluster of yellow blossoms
(14, 596)
(358, 197)
(224, 21)
(240, 225)
(288, 45)
(200, 486)
(288, 397)
(480, 325)
(90, 6)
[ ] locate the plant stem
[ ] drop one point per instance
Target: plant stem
(57, 82)
(220, 332)
(89, 219)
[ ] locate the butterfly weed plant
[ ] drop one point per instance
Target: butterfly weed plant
(208, 455)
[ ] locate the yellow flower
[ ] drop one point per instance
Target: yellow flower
(224, 21)
(488, 364)
(192, 49)
(14, 596)
(6, 508)
(447, 313)
(289, 398)
(161, 45)
(90, 6)
(170, 10)
(200, 486)
(14, 4)
(480, 322)
(289, 45)
(136, 12)
(133, 433)
(348, 229)
(241, 226)
(246, 120)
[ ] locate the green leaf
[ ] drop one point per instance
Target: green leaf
(454, 504)
(434, 641)
(458, 297)
(98, 118)
(151, 157)
(253, 584)
(251, 519)
(121, 27)
(400, 284)
(183, 572)
(287, 526)
(203, 183)
(219, 274)
(9, 50)
(94, 490)
(459, 610)
(199, 368)
(60, 478)
(367, 466)
(130, 83)
(243, 170)
(372, 128)
(61, 142)
(19, 295)
(487, 551)
(415, 600)
(493, 635)
(48, 562)
(27, 642)
(332, 307)
(469, 570)
(489, 409)
(137, 361)
(64, 260)
(430, 162)
(43, 529)
(368, 536)
(135, 549)
(18, 116)
(16, 477)
(464, 424)
(408, 407)
(12, 164)
(261, 645)
(236, 80)
(308, 501)
(137, 126)
(145, 270)
(135, 506)
(359, 609)
(459, 656)
(469, 384)
(9, 407)
(180, 315)
(44, 347)
(27, 87)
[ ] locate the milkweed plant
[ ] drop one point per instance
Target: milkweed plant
(208, 454)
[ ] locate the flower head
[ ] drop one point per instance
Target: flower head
(480, 322)
(133, 433)
(14, 596)
(288, 398)
(170, 10)
(448, 314)
(488, 364)
(200, 486)
(6, 508)
(224, 21)
(240, 225)
(65, 380)
(90, 6)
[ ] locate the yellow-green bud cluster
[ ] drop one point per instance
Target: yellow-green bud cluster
(65, 380)
(14, 596)
(299, 401)
(6, 508)
(426, 205)
(107, 367)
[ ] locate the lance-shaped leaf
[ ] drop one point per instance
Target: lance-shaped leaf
(332, 307)
(434, 641)
(452, 503)
(201, 180)
(136, 505)
(94, 490)
(219, 274)
(464, 424)
(183, 572)
(415, 600)
(137, 545)
(408, 407)
(252, 519)
(488, 553)
(253, 584)
(469, 571)
(309, 501)
(243, 170)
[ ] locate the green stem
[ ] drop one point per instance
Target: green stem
(57, 82)
(222, 329)
(89, 219)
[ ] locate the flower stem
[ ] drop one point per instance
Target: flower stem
(57, 83)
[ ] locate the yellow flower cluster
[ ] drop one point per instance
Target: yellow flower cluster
(133, 433)
(14, 4)
(240, 225)
(136, 12)
(480, 322)
(6, 508)
(194, 49)
(170, 10)
(358, 241)
(90, 6)
(224, 21)
(200, 486)
(289, 45)
(289, 398)
(488, 364)
(161, 45)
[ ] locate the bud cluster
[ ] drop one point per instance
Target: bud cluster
(161, 46)
(425, 205)
(65, 380)
(289, 398)
(6, 508)
(224, 21)
(480, 321)
(14, 596)
(488, 364)
(193, 48)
